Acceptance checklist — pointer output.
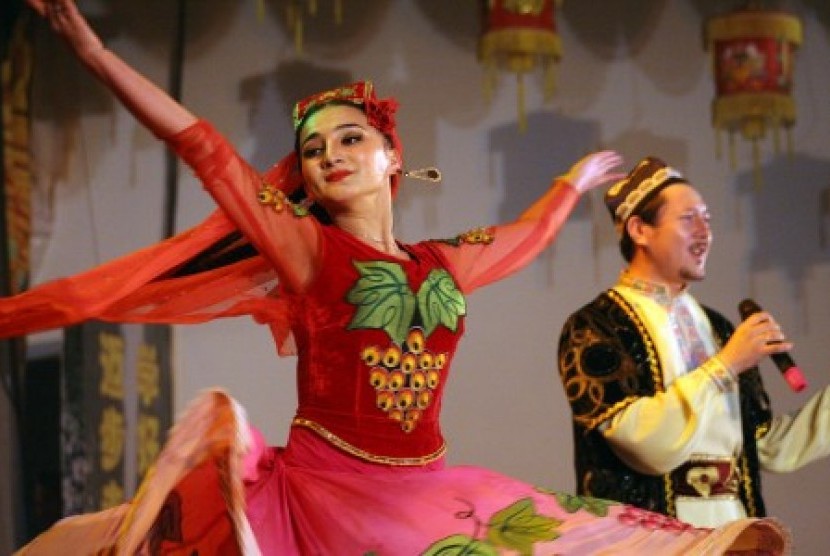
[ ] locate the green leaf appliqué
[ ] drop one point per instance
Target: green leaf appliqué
(440, 302)
(519, 527)
(572, 504)
(383, 299)
(461, 545)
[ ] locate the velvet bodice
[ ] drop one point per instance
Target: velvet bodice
(375, 338)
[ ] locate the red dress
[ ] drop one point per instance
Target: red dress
(363, 470)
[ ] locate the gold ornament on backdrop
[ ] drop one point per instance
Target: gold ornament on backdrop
(520, 37)
(752, 52)
(295, 11)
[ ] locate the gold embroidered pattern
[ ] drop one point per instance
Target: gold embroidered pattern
(653, 364)
(270, 195)
(596, 390)
(484, 236)
(761, 430)
(276, 198)
(746, 479)
(363, 454)
(636, 195)
(671, 509)
(720, 373)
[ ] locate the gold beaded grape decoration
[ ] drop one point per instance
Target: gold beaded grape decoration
(404, 378)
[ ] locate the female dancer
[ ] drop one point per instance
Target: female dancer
(308, 248)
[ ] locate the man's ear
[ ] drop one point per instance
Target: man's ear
(636, 228)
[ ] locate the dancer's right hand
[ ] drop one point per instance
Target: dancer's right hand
(66, 20)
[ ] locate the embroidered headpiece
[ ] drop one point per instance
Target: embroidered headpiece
(627, 195)
(380, 112)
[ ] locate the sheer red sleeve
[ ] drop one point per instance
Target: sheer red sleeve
(490, 254)
(289, 242)
(201, 274)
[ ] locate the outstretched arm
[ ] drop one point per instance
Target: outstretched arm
(798, 438)
(587, 173)
(508, 248)
(153, 107)
(289, 243)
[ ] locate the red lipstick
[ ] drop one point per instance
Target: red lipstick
(339, 175)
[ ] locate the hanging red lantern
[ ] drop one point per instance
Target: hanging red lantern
(520, 37)
(752, 52)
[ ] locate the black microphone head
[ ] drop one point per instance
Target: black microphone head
(748, 307)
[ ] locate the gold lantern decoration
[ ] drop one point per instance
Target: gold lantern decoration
(520, 37)
(752, 51)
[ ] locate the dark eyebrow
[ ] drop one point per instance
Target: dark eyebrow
(338, 128)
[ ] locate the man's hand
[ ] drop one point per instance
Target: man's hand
(756, 337)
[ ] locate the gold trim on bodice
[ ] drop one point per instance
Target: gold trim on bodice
(363, 454)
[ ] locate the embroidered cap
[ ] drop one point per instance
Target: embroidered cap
(627, 195)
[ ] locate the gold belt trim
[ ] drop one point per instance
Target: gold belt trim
(363, 454)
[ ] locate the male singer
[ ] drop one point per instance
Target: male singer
(669, 411)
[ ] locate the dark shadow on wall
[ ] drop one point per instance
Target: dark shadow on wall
(152, 23)
(527, 162)
(662, 50)
(64, 91)
(821, 8)
(270, 98)
(602, 30)
(790, 217)
(460, 21)
(322, 35)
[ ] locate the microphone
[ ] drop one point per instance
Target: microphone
(790, 371)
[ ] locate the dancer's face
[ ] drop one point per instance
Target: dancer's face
(343, 157)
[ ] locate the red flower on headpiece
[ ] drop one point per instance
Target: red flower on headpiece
(381, 115)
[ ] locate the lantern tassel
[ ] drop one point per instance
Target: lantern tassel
(520, 94)
(776, 139)
(489, 81)
(550, 81)
(756, 164)
(789, 142)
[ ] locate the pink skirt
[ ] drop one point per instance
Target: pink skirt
(217, 489)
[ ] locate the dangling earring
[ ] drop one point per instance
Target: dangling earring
(430, 173)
